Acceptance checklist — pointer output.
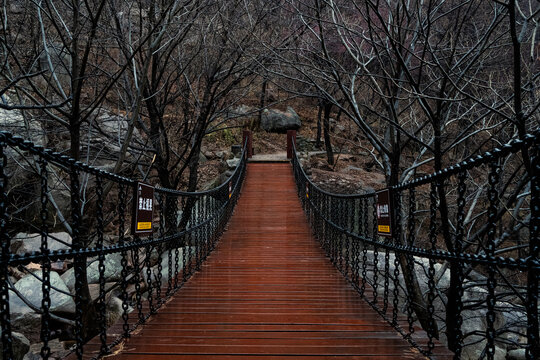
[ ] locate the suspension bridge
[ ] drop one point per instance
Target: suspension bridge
(270, 266)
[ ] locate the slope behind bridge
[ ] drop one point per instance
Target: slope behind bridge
(267, 292)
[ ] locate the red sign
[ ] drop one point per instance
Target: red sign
(143, 209)
(384, 213)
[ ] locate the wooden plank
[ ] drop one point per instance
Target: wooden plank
(267, 292)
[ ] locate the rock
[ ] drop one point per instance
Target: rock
(236, 150)
(224, 177)
(353, 168)
(474, 351)
(24, 243)
(23, 179)
(241, 111)
(16, 9)
(165, 266)
(30, 287)
(212, 184)
(27, 323)
(233, 163)
(114, 311)
(104, 136)
(280, 121)
(20, 346)
(113, 271)
(58, 350)
(221, 154)
(517, 354)
(202, 158)
(14, 122)
(94, 289)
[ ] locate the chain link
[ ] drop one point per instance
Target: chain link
(411, 225)
(149, 288)
(431, 269)
(397, 230)
(7, 343)
(101, 307)
(137, 279)
(124, 258)
(533, 347)
(159, 276)
(46, 265)
(207, 223)
(364, 247)
(458, 247)
(79, 262)
(493, 180)
(324, 215)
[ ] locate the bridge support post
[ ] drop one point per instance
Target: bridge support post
(247, 137)
(291, 138)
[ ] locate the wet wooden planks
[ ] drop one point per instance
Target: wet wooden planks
(267, 292)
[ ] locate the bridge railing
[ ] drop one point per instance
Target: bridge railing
(42, 269)
(463, 259)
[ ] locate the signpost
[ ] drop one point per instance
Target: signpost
(143, 209)
(384, 213)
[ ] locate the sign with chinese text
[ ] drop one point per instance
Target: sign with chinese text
(384, 213)
(143, 209)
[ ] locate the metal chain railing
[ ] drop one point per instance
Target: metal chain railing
(450, 272)
(152, 268)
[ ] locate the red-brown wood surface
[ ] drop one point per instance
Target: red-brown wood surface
(267, 292)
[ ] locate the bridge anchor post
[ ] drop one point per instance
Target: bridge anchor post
(291, 138)
(247, 138)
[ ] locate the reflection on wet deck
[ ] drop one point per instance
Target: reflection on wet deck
(267, 292)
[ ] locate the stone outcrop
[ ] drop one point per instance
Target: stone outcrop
(113, 270)
(23, 243)
(278, 121)
(21, 345)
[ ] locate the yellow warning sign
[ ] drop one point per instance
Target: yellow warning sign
(144, 225)
(384, 228)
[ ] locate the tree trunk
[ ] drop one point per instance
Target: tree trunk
(262, 100)
(327, 142)
(319, 126)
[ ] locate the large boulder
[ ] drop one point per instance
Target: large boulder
(233, 163)
(114, 311)
(165, 266)
(23, 243)
(241, 111)
(30, 288)
(280, 121)
(14, 122)
(113, 271)
(105, 134)
(20, 346)
(58, 350)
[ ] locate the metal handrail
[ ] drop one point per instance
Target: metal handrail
(385, 270)
(191, 221)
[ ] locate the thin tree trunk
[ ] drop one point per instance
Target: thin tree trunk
(319, 126)
(327, 142)
(262, 99)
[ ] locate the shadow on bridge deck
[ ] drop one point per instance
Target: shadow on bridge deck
(267, 292)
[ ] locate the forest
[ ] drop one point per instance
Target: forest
(153, 90)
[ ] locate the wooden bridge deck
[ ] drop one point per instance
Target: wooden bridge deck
(267, 292)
